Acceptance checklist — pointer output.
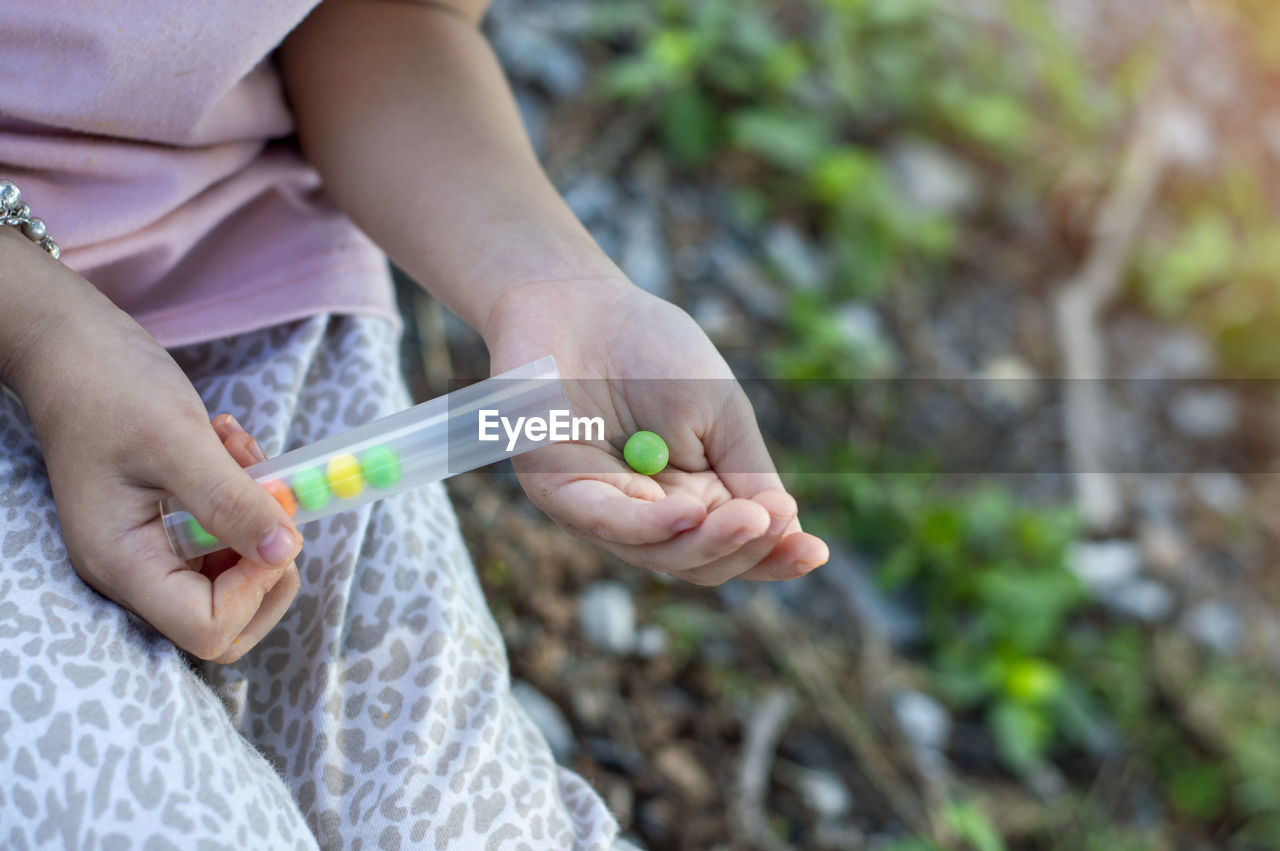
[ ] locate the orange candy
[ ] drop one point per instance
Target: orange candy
(283, 494)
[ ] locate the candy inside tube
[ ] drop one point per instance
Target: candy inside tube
(424, 444)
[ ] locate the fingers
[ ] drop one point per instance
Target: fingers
(206, 619)
(270, 611)
(222, 610)
(598, 510)
(239, 444)
(781, 507)
(604, 502)
(737, 452)
(224, 500)
(797, 554)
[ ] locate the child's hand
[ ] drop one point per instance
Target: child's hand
(121, 426)
(719, 510)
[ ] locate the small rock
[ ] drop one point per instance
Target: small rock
(1188, 136)
(1047, 782)
(1010, 382)
(859, 326)
(740, 275)
(617, 758)
(1158, 499)
(655, 818)
(1179, 354)
(607, 617)
(591, 706)
(822, 791)
(840, 836)
(1205, 413)
(923, 720)
(800, 263)
(539, 57)
(1146, 600)
(677, 765)
(644, 255)
(930, 180)
(719, 320)
(1221, 492)
(546, 716)
(1163, 547)
(651, 641)
(592, 197)
(1105, 564)
(1214, 624)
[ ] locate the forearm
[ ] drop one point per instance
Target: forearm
(406, 113)
(42, 306)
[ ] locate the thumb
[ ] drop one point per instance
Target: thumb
(226, 501)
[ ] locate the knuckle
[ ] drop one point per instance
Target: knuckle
(231, 506)
(208, 645)
(292, 582)
(702, 580)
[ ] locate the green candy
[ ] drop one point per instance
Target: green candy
(646, 453)
(311, 489)
(381, 466)
(199, 536)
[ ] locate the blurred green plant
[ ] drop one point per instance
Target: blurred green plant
(803, 97)
(795, 108)
(991, 577)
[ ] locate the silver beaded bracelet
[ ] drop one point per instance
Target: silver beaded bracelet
(14, 212)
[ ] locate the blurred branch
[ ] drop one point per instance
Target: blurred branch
(1083, 297)
(763, 731)
(797, 655)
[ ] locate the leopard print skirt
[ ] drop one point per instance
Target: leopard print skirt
(377, 714)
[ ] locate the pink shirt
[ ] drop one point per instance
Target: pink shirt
(140, 130)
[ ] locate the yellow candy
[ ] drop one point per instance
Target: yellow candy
(345, 479)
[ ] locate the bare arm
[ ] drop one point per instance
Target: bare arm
(404, 110)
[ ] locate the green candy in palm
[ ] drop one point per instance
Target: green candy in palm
(646, 453)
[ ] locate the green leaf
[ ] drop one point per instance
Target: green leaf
(844, 173)
(1198, 789)
(973, 826)
(1022, 734)
(791, 140)
(687, 122)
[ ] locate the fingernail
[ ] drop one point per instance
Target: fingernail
(777, 523)
(684, 524)
(233, 422)
(805, 566)
(277, 546)
(255, 451)
(742, 536)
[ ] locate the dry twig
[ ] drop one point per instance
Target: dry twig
(1083, 297)
(804, 662)
(763, 731)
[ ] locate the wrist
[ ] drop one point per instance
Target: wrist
(543, 299)
(42, 302)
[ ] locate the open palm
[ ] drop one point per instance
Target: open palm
(719, 510)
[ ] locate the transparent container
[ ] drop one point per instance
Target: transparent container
(424, 444)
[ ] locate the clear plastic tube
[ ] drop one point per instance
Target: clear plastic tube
(424, 444)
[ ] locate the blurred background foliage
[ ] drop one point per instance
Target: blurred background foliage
(1074, 725)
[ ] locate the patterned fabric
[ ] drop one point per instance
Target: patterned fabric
(375, 715)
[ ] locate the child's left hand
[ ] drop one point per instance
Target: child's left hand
(719, 510)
